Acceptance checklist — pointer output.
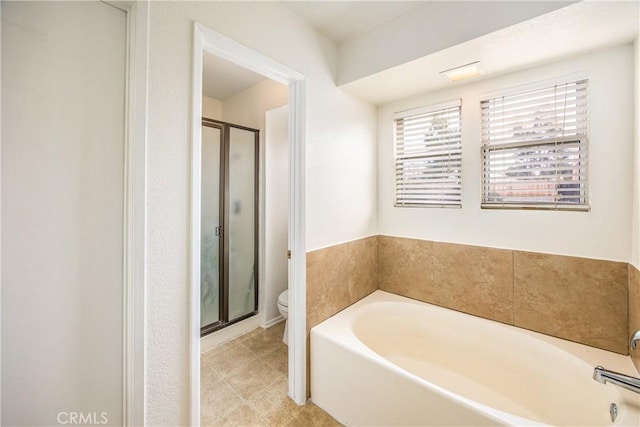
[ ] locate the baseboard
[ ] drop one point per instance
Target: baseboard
(273, 322)
(227, 334)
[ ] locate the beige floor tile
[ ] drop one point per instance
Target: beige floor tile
(256, 333)
(252, 378)
(217, 400)
(219, 349)
(242, 416)
(230, 357)
(208, 375)
(277, 331)
(274, 405)
(202, 360)
(208, 420)
(244, 383)
(312, 416)
(260, 343)
(278, 359)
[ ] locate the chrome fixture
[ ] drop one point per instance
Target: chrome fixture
(613, 411)
(635, 339)
(603, 376)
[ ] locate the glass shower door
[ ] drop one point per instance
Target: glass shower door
(229, 225)
(210, 226)
(242, 221)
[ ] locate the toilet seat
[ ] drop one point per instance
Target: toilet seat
(283, 307)
(283, 299)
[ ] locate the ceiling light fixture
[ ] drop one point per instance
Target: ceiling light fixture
(463, 72)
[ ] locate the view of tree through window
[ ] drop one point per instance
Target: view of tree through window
(535, 148)
(428, 158)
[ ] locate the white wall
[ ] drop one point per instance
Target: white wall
(211, 108)
(247, 108)
(341, 169)
(635, 228)
(276, 210)
(63, 99)
(603, 233)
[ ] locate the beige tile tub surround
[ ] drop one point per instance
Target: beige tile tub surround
(579, 299)
(404, 266)
(593, 302)
(471, 279)
(338, 276)
(634, 310)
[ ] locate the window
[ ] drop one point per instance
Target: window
(428, 156)
(534, 148)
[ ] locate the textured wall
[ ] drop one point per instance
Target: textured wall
(341, 154)
(603, 233)
(578, 299)
(211, 108)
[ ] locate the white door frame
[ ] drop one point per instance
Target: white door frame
(205, 39)
(134, 251)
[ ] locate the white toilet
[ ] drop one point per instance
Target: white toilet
(283, 307)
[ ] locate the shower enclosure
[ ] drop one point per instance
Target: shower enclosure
(229, 225)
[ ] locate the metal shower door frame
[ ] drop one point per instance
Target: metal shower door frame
(223, 270)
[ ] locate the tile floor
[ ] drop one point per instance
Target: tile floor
(244, 383)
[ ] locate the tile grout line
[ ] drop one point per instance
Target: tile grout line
(256, 409)
(244, 401)
(290, 414)
(226, 381)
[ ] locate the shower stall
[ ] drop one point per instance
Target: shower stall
(229, 225)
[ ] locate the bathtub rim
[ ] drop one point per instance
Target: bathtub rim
(333, 330)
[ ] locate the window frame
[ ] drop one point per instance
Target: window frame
(414, 112)
(579, 140)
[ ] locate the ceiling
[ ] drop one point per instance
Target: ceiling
(222, 79)
(579, 28)
(571, 30)
(341, 20)
(337, 20)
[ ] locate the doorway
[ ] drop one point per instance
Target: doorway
(208, 41)
(229, 224)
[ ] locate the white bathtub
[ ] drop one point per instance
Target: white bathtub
(392, 361)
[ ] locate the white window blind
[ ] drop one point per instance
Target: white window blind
(534, 148)
(428, 156)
